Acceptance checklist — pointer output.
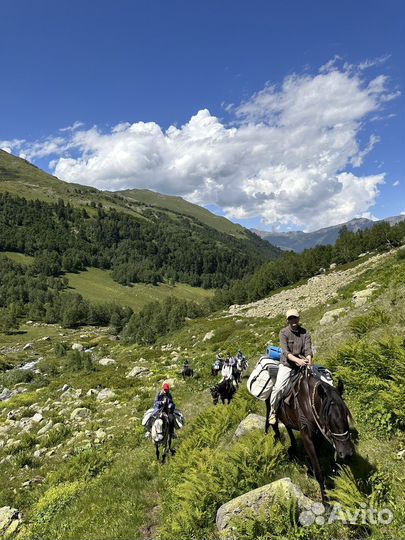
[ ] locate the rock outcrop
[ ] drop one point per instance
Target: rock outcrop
(331, 316)
(10, 519)
(251, 422)
(257, 500)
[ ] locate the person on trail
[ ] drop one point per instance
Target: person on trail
(239, 355)
(219, 358)
(295, 343)
(231, 359)
(161, 396)
(227, 372)
(186, 365)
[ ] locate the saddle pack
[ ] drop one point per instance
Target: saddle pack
(263, 377)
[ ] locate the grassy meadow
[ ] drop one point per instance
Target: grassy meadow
(98, 286)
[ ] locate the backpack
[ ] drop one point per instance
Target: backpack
(178, 420)
(262, 378)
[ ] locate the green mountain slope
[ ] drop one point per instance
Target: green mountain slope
(181, 206)
(19, 177)
(80, 227)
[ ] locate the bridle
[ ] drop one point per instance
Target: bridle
(329, 435)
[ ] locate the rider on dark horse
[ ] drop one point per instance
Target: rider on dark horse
(162, 396)
(295, 343)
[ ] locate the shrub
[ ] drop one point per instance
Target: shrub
(360, 326)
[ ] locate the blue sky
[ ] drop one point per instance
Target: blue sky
(285, 115)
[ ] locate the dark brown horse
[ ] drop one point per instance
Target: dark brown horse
(314, 408)
(224, 390)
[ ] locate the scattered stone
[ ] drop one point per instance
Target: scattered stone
(332, 266)
(104, 394)
(360, 298)
(28, 346)
(65, 387)
(401, 454)
(77, 347)
(107, 361)
(36, 480)
(92, 392)
(209, 335)
(331, 316)
(46, 428)
(80, 413)
(71, 393)
(100, 436)
(251, 422)
(259, 499)
(45, 338)
(5, 394)
(138, 372)
(37, 418)
(10, 520)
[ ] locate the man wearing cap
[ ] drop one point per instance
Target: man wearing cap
(295, 343)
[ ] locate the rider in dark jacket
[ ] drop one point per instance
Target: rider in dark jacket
(160, 397)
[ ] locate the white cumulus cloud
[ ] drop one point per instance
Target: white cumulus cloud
(287, 155)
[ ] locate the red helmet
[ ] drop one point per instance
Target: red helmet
(165, 387)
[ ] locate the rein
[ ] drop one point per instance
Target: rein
(326, 432)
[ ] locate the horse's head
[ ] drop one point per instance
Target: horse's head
(215, 394)
(335, 417)
(165, 404)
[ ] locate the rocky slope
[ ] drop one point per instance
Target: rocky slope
(318, 290)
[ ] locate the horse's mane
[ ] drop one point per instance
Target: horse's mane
(331, 397)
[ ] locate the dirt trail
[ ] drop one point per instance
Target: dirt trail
(317, 291)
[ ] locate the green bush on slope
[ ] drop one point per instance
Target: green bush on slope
(374, 374)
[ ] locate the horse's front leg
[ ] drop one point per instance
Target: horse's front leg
(157, 451)
(164, 453)
(311, 452)
(267, 424)
(293, 448)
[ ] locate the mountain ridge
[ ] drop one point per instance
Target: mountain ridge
(299, 240)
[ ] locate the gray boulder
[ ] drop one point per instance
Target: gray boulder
(138, 372)
(107, 362)
(10, 519)
(359, 298)
(251, 422)
(331, 316)
(77, 347)
(80, 413)
(257, 500)
(104, 394)
(37, 418)
(5, 394)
